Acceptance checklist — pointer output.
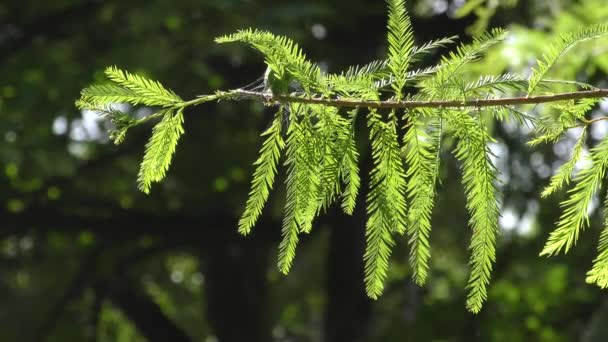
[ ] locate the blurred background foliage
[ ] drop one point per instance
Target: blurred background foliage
(85, 257)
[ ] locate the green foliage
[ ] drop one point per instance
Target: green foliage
(302, 184)
(153, 92)
(422, 143)
(599, 272)
(557, 49)
(574, 219)
(564, 173)
(350, 170)
(400, 44)
(479, 178)
(263, 176)
(562, 117)
(449, 70)
(321, 155)
(284, 57)
(160, 149)
(386, 205)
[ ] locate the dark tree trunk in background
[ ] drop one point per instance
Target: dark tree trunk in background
(236, 291)
(348, 307)
(147, 316)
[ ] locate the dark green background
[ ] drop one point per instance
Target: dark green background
(84, 256)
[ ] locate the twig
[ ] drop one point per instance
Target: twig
(352, 103)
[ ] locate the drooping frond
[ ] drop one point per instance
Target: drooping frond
(386, 205)
(558, 48)
(598, 274)
(136, 87)
(284, 57)
(574, 218)
(302, 185)
(160, 149)
(564, 173)
(264, 175)
(421, 142)
(400, 43)
(333, 135)
(478, 178)
(350, 170)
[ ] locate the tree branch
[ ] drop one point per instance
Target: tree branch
(267, 97)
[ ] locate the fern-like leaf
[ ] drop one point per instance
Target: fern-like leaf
(599, 271)
(141, 87)
(574, 218)
(560, 47)
(386, 202)
(421, 142)
(500, 84)
(419, 52)
(302, 185)
(105, 94)
(400, 43)
(338, 160)
(451, 65)
(350, 170)
(264, 175)
(160, 149)
(478, 178)
(284, 57)
(564, 173)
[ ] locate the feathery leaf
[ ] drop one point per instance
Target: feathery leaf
(160, 149)
(421, 144)
(400, 43)
(283, 56)
(478, 178)
(563, 174)
(599, 271)
(574, 218)
(350, 170)
(386, 202)
(264, 175)
(558, 48)
(141, 87)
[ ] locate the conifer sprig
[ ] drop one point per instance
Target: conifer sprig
(564, 173)
(155, 93)
(264, 175)
(557, 49)
(350, 170)
(386, 205)
(478, 178)
(421, 142)
(160, 149)
(574, 218)
(284, 57)
(599, 272)
(400, 44)
(321, 155)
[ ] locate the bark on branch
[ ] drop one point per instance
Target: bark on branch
(239, 94)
